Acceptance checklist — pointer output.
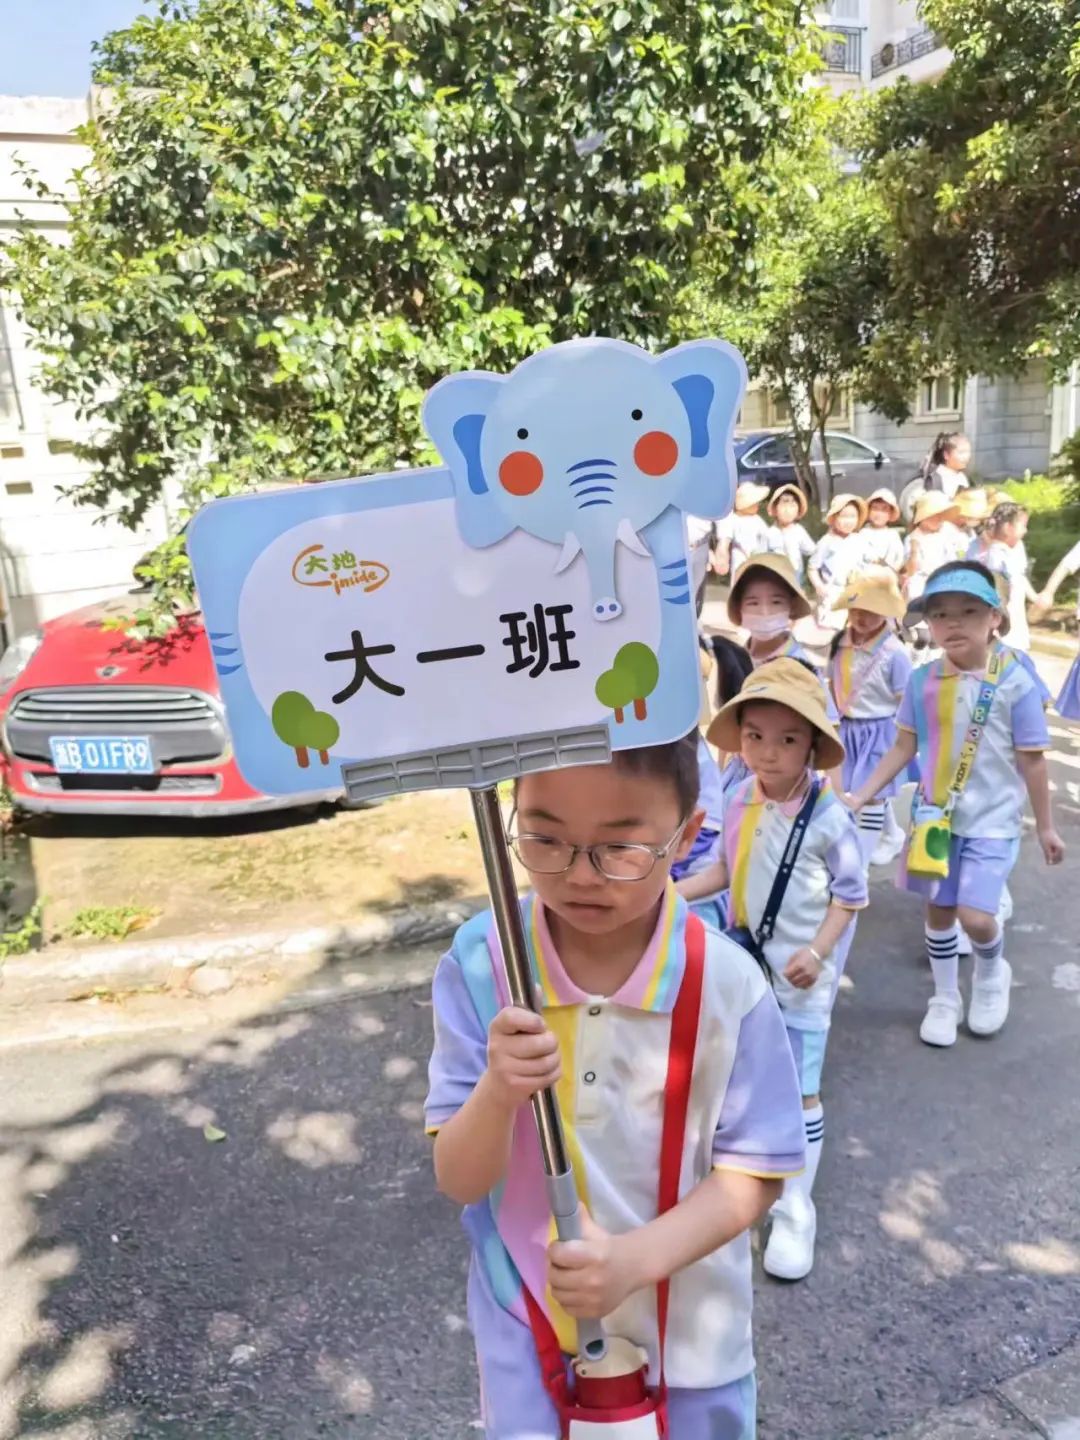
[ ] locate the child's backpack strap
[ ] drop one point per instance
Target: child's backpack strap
(682, 1046)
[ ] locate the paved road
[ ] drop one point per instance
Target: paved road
(301, 1279)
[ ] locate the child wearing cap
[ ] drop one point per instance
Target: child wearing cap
(977, 693)
(779, 724)
(868, 673)
(881, 544)
(611, 947)
(787, 536)
(742, 533)
(837, 553)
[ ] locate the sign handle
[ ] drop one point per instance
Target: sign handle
(502, 888)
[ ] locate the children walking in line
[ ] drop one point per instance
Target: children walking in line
(743, 533)
(975, 720)
(614, 953)
(1068, 701)
(779, 725)
(787, 535)
(868, 671)
(837, 554)
(881, 544)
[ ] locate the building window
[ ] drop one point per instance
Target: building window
(938, 398)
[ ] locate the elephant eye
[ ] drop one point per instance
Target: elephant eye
(523, 434)
(635, 414)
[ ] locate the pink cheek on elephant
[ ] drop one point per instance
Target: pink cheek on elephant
(656, 453)
(521, 473)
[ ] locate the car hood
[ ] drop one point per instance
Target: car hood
(79, 648)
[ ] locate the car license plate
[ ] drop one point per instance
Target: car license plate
(102, 754)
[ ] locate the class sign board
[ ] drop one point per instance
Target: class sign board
(537, 581)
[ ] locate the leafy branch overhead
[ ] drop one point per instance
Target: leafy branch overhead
(300, 215)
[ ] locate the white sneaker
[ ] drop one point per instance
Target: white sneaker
(887, 848)
(989, 1007)
(943, 1016)
(963, 940)
(1005, 906)
(789, 1255)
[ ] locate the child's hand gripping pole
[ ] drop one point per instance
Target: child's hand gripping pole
(562, 1192)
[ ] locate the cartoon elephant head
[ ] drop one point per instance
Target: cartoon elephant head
(586, 443)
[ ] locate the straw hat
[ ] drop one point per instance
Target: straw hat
(839, 502)
(777, 567)
(788, 683)
(888, 498)
(974, 505)
(877, 592)
(749, 495)
(931, 503)
(794, 492)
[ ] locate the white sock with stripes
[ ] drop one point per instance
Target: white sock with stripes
(943, 954)
(988, 957)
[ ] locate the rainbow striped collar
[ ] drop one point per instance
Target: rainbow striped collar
(652, 986)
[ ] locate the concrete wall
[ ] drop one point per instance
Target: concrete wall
(1013, 424)
(54, 555)
(1008, 420)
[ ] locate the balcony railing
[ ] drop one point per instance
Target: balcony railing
(842, 50)
(923, 42)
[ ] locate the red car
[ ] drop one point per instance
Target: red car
(94, 722)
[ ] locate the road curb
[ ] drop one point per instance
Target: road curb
(1063, 646)
(73, 974)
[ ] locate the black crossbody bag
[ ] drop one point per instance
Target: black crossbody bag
(754, 941)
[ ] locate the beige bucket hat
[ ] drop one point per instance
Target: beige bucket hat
(787, 682)
(931, 503)
(888, 498)
(839, 502)
(777, 567)
(794, 492)
(877, 592)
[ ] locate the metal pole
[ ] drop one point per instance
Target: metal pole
(562, 1192)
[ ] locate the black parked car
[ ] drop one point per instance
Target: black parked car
(765, 456)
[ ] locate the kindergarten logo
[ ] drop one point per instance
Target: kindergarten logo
(340, 570)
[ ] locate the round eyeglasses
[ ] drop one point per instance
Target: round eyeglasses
(614, 859)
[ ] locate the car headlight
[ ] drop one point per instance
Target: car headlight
(17, 656)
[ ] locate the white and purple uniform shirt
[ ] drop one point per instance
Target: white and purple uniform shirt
(882, 546)
(794, 542)
(744, 1114)
(749, 535)
(937, 707)
(835, 557)
(868, 681)
(829, 867)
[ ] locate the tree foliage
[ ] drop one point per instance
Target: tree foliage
(300, 213)
(811, 321)
(979, 174)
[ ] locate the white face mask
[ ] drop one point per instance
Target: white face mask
(765, 626)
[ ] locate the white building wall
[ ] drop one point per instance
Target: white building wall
(54, 555)
(1014, 424)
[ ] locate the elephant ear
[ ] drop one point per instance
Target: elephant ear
(709, 377)
(454, 414)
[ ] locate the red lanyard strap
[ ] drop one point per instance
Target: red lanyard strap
(682, 1045)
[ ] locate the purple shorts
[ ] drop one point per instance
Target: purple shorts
(978, 870)
(516, 1406)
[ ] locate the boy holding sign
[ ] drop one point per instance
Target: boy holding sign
(615, 955)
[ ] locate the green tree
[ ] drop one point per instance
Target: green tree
(298, 724)
(979, 174)
(631, 680)
(810, 322)
(300, 213)
(615, 690)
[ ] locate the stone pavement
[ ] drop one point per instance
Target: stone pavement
(1043, 1401)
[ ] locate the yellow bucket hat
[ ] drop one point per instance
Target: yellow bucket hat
(749, 494)
(886, 496)
(794, 492)
(778, 567)
(878, 593)
(787, 682)
(931, 503)
(974, 504)
(839, 502)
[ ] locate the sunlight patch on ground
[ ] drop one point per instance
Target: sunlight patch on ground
(316, 1140)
